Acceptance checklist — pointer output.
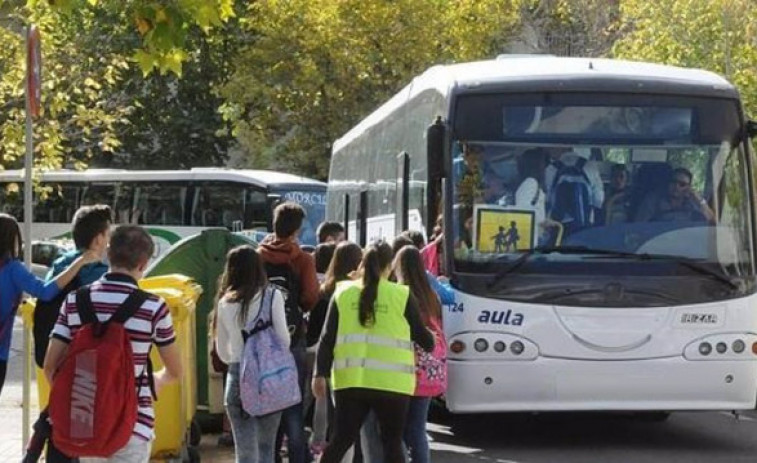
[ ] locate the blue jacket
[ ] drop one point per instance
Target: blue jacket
(445, 292)
(15, 279)
(87, 275)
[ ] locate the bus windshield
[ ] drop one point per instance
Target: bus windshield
(572, 183)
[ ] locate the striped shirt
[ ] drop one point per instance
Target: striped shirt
(151, 324)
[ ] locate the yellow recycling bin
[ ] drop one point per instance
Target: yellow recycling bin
(176, 434)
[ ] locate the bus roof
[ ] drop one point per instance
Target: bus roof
(523, 73)
(263, 178)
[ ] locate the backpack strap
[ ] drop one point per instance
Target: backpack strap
(84, 306)
(265, 316)
(130, 306)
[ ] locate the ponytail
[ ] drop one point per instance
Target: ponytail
(377, 258)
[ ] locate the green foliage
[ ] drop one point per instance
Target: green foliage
(163, 26)
(718, 35)
(319, 66)
(77, 120)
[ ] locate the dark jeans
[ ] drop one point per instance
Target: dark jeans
(352, 406)
(415, 430)
(293, 418)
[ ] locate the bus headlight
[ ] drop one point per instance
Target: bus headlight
(457, 347)
(491, 346)
(738, 346)
(517, 347)
(705, 348)
(481, 345)
(727, 346)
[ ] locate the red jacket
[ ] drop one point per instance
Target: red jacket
(277, 251)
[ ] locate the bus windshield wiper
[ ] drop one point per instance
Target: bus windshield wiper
(685, 262)
(525, 255)
(679, 260)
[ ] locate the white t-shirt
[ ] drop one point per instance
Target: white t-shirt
(524, 199)
(229, 342)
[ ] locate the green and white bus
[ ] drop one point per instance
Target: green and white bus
(171, 204)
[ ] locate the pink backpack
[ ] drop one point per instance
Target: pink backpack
(268, 378)
(431, 367)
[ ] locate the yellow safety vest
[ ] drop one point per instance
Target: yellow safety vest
(379, 356)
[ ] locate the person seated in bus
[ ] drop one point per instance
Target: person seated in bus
(617, 204)
(530, 193)
(561, 159)
(679, 203)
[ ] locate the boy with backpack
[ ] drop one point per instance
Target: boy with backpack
(99, 348)
(293, 272)
(575, 192)
(90, 231)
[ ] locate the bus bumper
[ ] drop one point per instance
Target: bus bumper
(548, 384)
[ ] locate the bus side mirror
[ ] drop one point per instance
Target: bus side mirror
(751, 129)
(436, 137)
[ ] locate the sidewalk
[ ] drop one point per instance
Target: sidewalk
(11, 447)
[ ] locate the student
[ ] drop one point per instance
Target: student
(431, 376)
(129, 252)
(330, 232)
(15, 279)
(322, 255)
(362, 317)
(239, 300)
(91, 231)
(345, 262)
(294, 270)
(439, 284)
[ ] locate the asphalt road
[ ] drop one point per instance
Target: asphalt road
(686, 437)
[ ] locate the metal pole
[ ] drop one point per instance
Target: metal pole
(27, 259)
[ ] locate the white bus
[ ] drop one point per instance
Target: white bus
(171, 204)
(645, 300)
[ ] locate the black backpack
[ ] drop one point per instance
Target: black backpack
(45, 316)
(283, 278)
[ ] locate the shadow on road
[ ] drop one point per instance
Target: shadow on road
(589, 431)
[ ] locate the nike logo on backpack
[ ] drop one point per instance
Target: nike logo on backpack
(83, 393)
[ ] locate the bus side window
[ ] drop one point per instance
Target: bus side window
(161, 205)
(218, 204)
(12, 200)
(58, 205)
(255, 209)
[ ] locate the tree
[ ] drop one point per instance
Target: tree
(319, 66)
(161, 25)
(718, 35)
(571, 27)
(79, 114)
(175, 122)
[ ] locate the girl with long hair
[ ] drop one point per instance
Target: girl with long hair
(431, 368)
(367, 340)
(344, 263)
(240, 291)
(16, 279)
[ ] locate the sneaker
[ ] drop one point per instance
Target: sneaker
(226, 440)
(317, 448)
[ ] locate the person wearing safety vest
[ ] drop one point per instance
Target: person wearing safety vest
(367, 347)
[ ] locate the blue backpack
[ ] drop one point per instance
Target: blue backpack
(570, 196)
(268, 373)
